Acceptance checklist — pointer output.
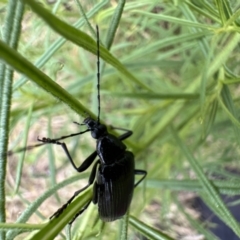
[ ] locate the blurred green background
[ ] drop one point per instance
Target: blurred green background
(169, 72)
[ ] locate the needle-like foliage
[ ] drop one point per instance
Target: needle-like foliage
(169, 72)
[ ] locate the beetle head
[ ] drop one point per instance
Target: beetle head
(97, 129)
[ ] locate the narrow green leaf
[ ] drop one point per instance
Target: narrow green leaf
(147, 231)
(179, 21)
(124, 227)
(56, 45)
(81, 39)
(114, 23)
(32, 208)
(210, 117)
(195, 223)
(209, 188)
(223, 186)
(20, 163)
(22, 65)
(157, 96)
(52, 229)
(230, 109)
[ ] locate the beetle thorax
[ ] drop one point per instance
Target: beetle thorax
(110, 149)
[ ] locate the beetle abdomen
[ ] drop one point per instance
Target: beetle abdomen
(115, 185)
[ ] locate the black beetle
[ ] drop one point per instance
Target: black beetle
(114, 171)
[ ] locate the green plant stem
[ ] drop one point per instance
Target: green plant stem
(11, 36)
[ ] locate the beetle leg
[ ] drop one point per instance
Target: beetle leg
(90, 182)
(54, 141)
(46, 141)
(86, 163)
(140, 172)
(95, 193)
(89, 160)
(125, 135)
(80, 212)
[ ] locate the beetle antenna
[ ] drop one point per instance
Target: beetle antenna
(98, 74)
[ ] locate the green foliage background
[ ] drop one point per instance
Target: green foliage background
(169, 72)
